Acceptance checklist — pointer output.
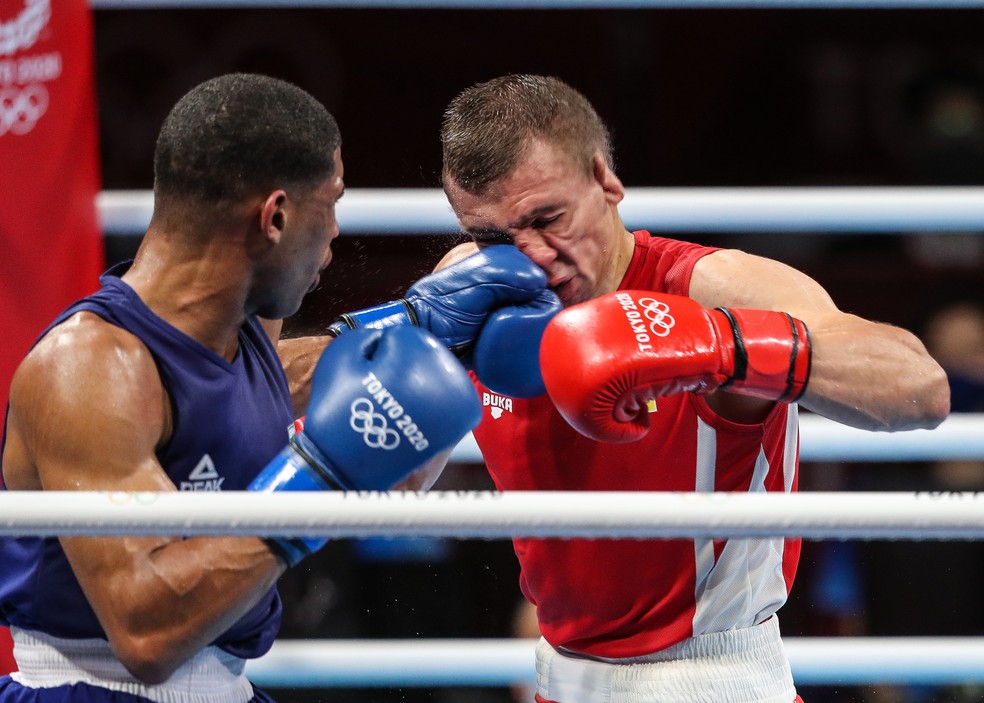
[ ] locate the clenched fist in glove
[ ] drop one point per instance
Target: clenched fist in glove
(383, 402)
(498, 285)
(453, 303)
(604, 359)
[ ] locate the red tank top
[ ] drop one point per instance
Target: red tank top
(624, 598)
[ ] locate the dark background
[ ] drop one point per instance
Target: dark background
(693, 98)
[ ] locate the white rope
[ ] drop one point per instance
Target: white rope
(492, 515)
(542, 4)
(501, 662)
(960, 436)
(410, 211)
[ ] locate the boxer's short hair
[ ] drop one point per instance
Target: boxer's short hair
(240, 135)
(487, 127)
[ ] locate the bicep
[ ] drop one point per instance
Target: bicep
(863, 373)
(733, 278)
(273, 328)
(299, 357)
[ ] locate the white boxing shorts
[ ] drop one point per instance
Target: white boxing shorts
(43, 661)
(737, 666)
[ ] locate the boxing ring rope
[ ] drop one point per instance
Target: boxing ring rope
(313, 663)
(546, 4)
(501, 662)
(812, 210)
(922, 515)
(960, 436)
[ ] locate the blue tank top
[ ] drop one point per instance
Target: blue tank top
(229, 420)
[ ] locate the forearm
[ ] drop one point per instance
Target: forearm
(425, 476)
(874, 376)
(179, 596)
(299, 356)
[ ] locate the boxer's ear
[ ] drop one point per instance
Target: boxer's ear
(273, 217)
(606, 178)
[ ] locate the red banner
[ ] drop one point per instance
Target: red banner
(51, 248)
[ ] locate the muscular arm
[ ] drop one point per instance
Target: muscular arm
(298, 355)
(86, 412)
(865, 374)
(426, 476)
(453, 256)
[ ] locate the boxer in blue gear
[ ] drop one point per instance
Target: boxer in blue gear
(172, 377)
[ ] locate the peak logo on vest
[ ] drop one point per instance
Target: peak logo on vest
(203, 477)
(497, 404)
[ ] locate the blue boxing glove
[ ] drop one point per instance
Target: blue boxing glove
(383, 402)
(507, 352)
(453, 303)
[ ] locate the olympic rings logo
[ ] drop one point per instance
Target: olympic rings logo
(374, 429)
(22, 31)
(135, 497)
(658, 314)
(20, 109)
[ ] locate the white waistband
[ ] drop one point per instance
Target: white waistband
(43, 661)
(737, 666)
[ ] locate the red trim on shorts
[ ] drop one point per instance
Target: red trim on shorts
(7, 663)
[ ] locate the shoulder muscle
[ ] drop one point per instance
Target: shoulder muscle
(87, 404)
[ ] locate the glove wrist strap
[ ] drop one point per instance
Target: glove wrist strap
(395, 312)
(318, 463)
(292, 470)
(772, 356)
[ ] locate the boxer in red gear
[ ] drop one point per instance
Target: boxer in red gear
(527, 161)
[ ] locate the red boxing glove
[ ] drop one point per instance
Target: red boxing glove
(605, 359)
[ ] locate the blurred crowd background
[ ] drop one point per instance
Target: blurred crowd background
(694, 98)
